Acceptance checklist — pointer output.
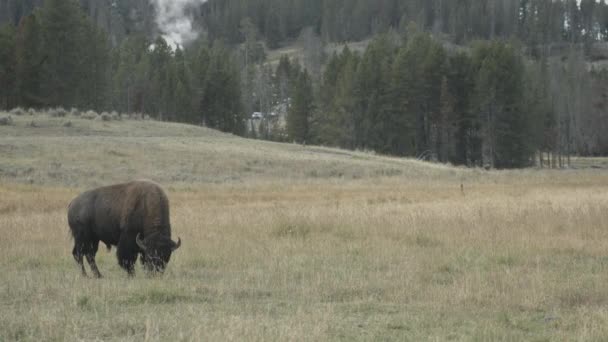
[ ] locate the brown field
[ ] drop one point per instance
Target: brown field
(284, 242)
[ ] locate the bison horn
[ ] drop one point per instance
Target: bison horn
(176, 245)
(140, 242)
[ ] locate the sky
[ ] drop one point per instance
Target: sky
(172, 20)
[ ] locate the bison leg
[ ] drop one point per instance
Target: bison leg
(77, 252)
(91, 260)
(91, 252)
(127, 253)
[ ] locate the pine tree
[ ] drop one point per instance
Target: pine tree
(588, 17)
(94, 77)
(183, 89)
(29, 58)
(124, 77)
(573, 21)
(499, 99)
(373, 117)
(603, 19)
(419, 71)
(300, 112)
(63, 36)
(445, 123)
(346, 103)
(143, 101)
(335, 122)
(199, 59)
(466, 129)
(327, 123)
(538, 106)
(434, 70)
(8, 73)
(403, 100)
(221, 105)
(160, 78)
(252, 51)
(283, 77)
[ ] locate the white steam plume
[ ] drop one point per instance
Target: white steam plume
(173, 21)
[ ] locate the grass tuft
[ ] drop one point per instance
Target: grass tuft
(425, 241)
(6, 120)
(18, 111)
(89, 115)
(84, 303)
(290, 230)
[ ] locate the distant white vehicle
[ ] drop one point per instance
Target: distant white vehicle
(257, 115)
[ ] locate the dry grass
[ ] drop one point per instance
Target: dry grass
(90, 153)
(282, 255)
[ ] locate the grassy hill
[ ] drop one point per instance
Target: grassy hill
(72, 151)
(286, 242)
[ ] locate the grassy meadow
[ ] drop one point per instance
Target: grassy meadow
(290, 243)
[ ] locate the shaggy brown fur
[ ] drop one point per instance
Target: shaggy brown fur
(116, 215)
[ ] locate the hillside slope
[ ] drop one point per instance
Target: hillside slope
(94, 152)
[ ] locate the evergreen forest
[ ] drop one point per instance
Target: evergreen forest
(481, 83)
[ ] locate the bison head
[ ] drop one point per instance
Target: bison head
(157, 251)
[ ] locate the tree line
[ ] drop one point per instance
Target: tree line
(532, 21)
(487, 106)
(535, 22)
(56, 56)
(498, 102)
(416, 99)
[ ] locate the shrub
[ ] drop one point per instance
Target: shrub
(74, 112)
(18, 111)
(57, 112)
(115, 116)
(134, 116)
(31, 111)
(89, 115)
(6, 120)
(106, 116)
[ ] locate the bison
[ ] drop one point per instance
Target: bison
(133, 216)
